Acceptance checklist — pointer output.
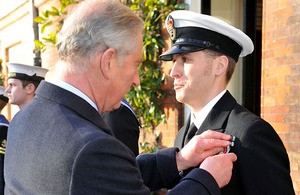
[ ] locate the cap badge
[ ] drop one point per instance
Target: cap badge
(12, 74)
(3, 144)
(3, 147)
(171, 28)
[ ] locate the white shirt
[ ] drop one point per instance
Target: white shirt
(73, 90)
(198, 119)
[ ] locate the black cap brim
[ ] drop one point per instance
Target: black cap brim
(2, 97)
(178, 49)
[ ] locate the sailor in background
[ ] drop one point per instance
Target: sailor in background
(22, 82)
(125, 125)
(3, 135)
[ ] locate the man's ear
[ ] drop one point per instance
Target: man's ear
(106, 61)
(30, 88)
(222, 64)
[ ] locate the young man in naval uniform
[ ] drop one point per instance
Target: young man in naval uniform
(204, 52)
(22, 82)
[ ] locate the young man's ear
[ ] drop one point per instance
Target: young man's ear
(222, 64)
(106, 61)
(30, 88)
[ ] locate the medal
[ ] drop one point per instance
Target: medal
(227, 149)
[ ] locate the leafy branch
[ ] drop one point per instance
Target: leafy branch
(146, 99)
(55, 17)
(1, 79)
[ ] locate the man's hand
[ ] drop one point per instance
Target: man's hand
(220, 167)
(200, 147)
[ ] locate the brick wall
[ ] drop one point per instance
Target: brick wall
(281, 76)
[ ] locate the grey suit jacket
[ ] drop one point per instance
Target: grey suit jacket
(263, 166)
(59, 144)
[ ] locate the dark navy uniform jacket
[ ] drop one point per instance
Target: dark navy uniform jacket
(125, 126)
(3, 135)
(262, 165)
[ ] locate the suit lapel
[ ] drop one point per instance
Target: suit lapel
(179, 140)
(217, 118)
(81, 107)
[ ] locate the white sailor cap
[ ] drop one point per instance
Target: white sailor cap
(3, 94)
(190, 32)
(26, 72)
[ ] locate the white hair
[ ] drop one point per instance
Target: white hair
(94, 26)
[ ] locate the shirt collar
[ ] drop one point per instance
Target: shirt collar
(74, 90)
(198, 119)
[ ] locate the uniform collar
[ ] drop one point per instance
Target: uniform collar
(198, 118)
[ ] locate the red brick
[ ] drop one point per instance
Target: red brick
(273, 100)
(272, 25)
(282, 109)
(268, 101)
(293, 39)
(292, 20)
(294, 147)
(275, 72)
(283, 51)
(284, 12)
(293, 118)
(295, 128)
(282, 3)
(268, 54)
(279, 127)
(276, 43)
(275, 81)
(272, 118)
(294, 137)
(282, 90)
(281, 80)
(270, 6)
(269, 63)
(282, 23)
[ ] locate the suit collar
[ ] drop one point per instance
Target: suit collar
(74, 90)
(63, 97)
(200, 116)
(217, 117)
(179, 139)
(215, 120)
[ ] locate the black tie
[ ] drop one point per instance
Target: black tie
(190, 134)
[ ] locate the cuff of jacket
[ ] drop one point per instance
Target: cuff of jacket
(205, 179)
(168, 169)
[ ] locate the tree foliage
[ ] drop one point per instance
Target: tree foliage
(53, 17)
(1, 78)
(146, 99)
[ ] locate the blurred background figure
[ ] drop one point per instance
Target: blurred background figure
(125, 125)
(3, 135)
(22, 82)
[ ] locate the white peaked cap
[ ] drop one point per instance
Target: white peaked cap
(26, 72)
(187, 28)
